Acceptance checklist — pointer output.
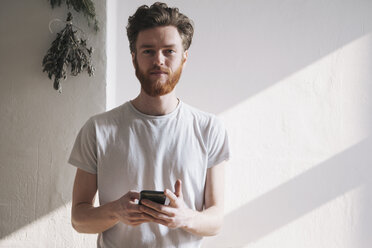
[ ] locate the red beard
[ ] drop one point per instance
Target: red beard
(156, 88)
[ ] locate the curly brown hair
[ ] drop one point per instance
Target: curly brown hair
(159, 14)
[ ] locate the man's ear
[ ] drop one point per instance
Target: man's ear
(185, 55)
(133, 58)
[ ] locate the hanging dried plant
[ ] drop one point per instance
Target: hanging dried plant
(84, 6)
(67, 50)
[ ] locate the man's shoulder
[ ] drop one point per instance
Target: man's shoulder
(110, 116)
(201, 116)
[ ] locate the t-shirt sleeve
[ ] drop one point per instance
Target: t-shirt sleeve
(84, 151)
(218, 143)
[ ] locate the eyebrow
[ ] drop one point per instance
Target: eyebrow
(151, 46)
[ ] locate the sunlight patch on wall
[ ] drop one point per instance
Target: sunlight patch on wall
(334, 224)
(299, 122)
(52, 230)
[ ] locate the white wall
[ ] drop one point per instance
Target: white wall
(292, 81)
(39, 126)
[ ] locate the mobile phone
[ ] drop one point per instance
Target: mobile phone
(152, 195)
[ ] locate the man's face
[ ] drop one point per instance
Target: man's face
(159, 59)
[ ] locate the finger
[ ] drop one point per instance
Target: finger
(157, 207)
(134, 202)
(162, 222)
(171, 196)
(133, 207)
(156, 214)
(178, 188)
(141, 221)
(139, 216)
(132, 194)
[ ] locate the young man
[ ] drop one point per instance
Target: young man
(154, 142)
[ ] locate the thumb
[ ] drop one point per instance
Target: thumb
(178, 188)
(133, 195)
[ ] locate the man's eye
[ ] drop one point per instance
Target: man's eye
(147, 51)
(170, 51)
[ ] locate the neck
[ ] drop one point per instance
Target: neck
(159, 105)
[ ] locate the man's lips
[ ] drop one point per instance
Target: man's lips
(158, 72)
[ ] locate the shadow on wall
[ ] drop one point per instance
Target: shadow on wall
(299, 196)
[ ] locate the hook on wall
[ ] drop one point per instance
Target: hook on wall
(67, 22)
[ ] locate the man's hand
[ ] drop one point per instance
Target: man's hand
(128, 211)
(175, 215)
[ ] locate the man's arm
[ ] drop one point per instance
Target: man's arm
(86, 218)
(209, 222)
(177, 215)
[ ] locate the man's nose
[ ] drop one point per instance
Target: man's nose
(159, 58)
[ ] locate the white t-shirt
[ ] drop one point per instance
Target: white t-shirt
(129, 150)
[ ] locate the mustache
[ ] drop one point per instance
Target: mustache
(158, 68)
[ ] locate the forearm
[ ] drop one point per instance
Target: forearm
(205, 223)
(86, 218)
